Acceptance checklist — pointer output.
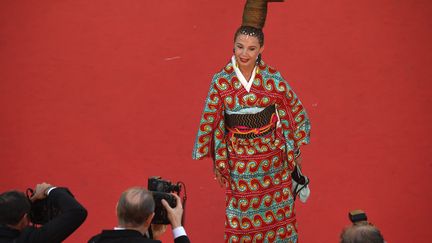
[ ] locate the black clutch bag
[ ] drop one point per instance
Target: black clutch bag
(300, 182)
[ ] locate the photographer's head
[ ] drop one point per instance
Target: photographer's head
(135, 212)
(14, 207)
(135, 209)
(361, 232)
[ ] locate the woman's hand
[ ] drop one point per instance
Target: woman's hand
(220, 179)
(297, 158)
(298, 161)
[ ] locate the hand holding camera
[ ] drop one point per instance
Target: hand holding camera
(167, 201)
(43, 209)
(40, 191)
(174, 214)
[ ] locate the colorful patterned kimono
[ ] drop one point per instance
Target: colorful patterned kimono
(251, 137)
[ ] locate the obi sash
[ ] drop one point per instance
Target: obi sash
(248, 126)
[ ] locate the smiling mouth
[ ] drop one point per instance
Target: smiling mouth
(244, 60)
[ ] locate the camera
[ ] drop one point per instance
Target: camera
(161, 189)
(357, 216)
(43, 210)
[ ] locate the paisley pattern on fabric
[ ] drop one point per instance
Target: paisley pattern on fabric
(259, 201)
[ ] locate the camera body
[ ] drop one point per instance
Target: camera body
(161, 189)
(357, 216)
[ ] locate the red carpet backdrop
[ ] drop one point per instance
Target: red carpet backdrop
(99, 95)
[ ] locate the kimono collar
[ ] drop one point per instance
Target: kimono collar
(246, 84)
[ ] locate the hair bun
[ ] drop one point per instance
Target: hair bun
(255, 12)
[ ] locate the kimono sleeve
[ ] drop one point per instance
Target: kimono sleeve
(210, 140)
(293, 117)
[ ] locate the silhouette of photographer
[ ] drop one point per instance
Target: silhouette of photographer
(135, 211)
(16, 208)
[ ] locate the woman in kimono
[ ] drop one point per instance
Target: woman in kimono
(252, 127)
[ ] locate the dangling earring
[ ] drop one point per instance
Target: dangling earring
(258, 60)
(233, 50)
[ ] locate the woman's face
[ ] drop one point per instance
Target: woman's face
(246, 50)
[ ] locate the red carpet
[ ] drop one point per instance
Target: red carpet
(100, 95)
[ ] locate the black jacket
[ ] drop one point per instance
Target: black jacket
(128, 236)
(57, 229)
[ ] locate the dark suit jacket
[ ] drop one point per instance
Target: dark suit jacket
(57, 229)
(128, 236)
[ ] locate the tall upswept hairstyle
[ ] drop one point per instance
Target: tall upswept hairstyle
(254, 17)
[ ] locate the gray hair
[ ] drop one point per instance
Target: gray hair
(135, 206)
(361, 233)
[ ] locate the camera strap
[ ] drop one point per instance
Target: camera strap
(183, 202)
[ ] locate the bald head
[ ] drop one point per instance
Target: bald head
(361, 233)
(134, 207)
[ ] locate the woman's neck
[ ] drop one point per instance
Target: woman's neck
(247, 72)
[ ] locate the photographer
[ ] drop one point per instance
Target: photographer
(361, 231)
(135, 211)
(15, 208)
